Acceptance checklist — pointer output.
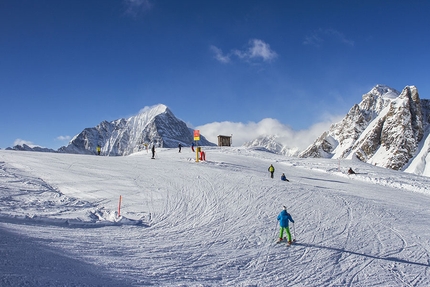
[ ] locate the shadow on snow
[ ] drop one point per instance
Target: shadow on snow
(327, 180)
(393, 259)
(28, 262)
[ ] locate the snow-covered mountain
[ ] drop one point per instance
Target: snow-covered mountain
(388, 129)
(151, 126)
(271, 143)
(25, 147)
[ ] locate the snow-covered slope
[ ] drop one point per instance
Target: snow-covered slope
(387, 129)
(210, 223)
(152, 126)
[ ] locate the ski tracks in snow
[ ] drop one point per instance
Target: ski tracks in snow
(215, 225)
(26, 197)
(348, 242)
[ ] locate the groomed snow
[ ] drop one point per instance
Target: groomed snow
(210, 223)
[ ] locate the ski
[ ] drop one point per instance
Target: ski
(286, 242)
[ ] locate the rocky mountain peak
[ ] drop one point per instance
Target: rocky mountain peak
(386, 128)
(155, 125)
(383, 91)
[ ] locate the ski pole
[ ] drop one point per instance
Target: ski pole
(294, 231)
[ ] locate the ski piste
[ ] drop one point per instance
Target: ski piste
(229, 194)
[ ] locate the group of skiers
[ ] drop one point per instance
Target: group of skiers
(179, 147)
(98, 149)
(271, 169)
(284, 217)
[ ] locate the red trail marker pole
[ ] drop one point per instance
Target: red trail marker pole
(119, 206)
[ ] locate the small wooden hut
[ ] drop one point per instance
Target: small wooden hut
(224, 140)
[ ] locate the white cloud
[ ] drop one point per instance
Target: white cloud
(313, 40)
(260, 49)
(255, 50)
(318, 37)
(219, 55)
(63, 138)
(286, 135)
(135, 7)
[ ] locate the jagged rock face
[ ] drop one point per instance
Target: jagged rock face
(338, 141)
(403, 129)
(385, 129)
(156, 126)
(396, 134)
(367, 147)
(322, 149)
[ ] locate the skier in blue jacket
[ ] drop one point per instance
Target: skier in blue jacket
(284, 178)
(284, 217)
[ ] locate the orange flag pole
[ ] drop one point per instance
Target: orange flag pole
(119, 206)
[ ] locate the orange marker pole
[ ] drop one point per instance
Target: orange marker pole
(119, 206)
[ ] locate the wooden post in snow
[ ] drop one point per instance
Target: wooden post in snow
(119, 206)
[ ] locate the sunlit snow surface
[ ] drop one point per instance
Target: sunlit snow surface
(210, 223)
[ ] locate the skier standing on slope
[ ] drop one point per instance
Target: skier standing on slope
(284, 217)
(98, 149)
(153, 151)
(271, 169)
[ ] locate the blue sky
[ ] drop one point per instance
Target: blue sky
(226, 67)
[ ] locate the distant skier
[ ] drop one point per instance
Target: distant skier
(350, 171)
(98, 150)
(153, 151)
(283, 177)
(192, 146)
(179, 146)
(284, 217)
(271, 169)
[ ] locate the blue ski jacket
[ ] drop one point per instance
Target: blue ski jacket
(284, 217)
